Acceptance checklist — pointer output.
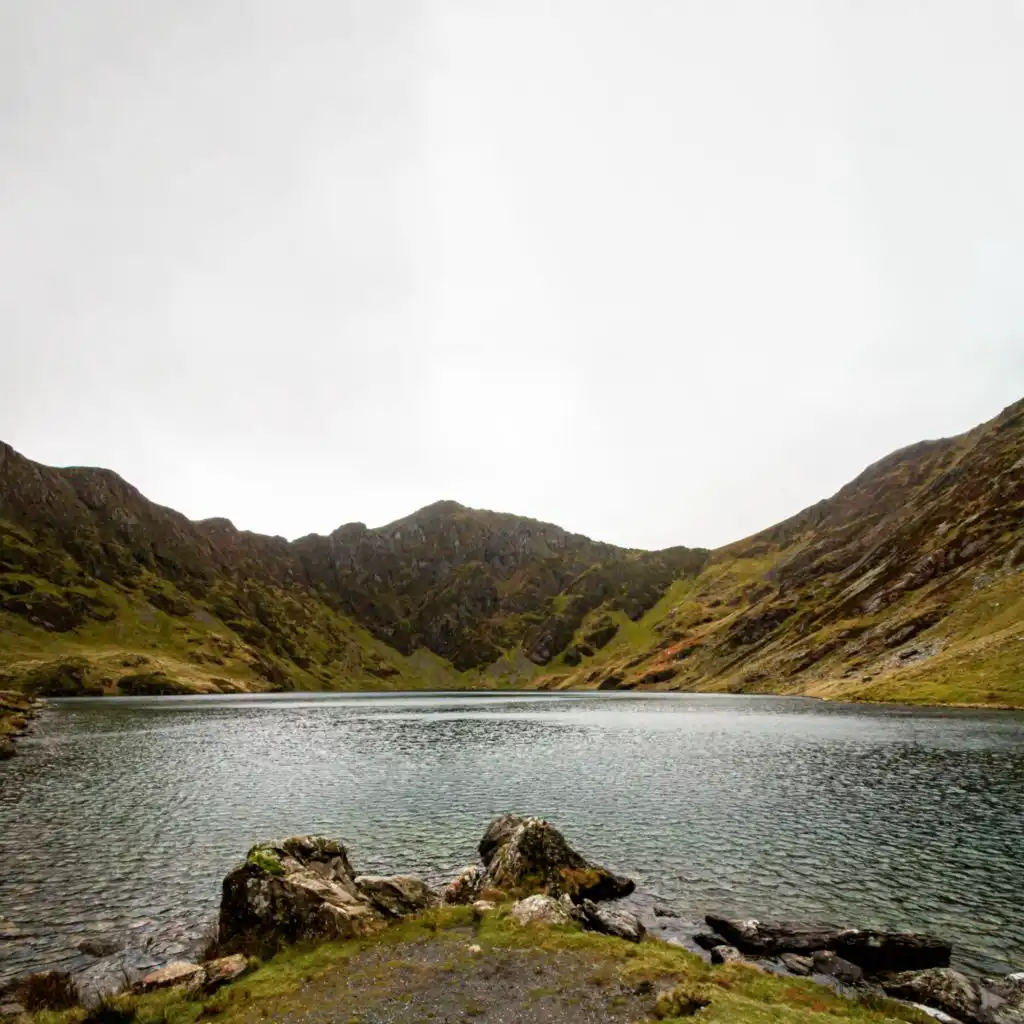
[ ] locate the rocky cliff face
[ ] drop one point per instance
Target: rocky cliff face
(87, 558)
(905, 585)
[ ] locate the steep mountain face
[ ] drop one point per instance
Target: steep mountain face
(908, 584)
(92, 570)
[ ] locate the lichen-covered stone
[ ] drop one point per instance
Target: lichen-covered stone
(940, 987)
(301, 888)
(531, 854)
(612, 921)
(540, 909)
(465, 887)
(223, 970)
(178, 973)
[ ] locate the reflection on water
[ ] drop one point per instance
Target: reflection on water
(121, 810)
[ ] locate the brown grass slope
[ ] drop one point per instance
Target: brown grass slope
(906, 585)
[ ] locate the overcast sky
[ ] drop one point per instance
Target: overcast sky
(660, 272)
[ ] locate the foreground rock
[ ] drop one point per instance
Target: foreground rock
(872, 951)
(940, 987)
(530, 853)
(226, 969)
(466, 886)
(540, 909)
(726, 955)
(612, 921)
(397, 895)
(178, 973)
(300, 889)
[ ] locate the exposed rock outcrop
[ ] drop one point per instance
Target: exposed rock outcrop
(530, 853)
(612, 921)
(397, 895)
(300, 888)
(941, 987)
(541, 909)
(465, 887)
(872, 951)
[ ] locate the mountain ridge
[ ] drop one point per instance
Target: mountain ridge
(93, 574)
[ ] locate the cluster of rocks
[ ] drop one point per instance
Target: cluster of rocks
(905, 965)
(304, 889)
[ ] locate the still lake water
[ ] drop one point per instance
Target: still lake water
(122, 810)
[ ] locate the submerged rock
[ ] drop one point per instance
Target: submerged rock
(530, 853)
(302, 888)
(872, 951)
(940, 987)
(101, 945)
(397, 895)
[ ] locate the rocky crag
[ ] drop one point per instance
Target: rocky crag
(906, 585)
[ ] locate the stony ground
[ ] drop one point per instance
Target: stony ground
(442, 981)
(444, 967)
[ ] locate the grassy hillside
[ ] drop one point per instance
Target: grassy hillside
(908, 584)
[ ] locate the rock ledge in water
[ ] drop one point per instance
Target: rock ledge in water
(872, 951)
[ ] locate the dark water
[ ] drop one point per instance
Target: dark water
(122, 811)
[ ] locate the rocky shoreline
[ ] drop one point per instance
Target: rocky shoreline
(17, 710)
(303, 890)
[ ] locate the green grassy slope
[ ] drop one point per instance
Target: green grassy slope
(908, 585)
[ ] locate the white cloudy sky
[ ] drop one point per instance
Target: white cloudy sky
(661, 272)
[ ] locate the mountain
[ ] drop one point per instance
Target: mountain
(905, 585)
(100, 588)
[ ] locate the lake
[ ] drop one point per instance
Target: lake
(127, 812)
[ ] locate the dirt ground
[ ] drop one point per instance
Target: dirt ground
(443, 981)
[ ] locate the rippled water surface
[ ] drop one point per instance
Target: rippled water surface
(122, 810)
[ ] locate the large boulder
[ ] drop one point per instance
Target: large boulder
(940, 987)
(530, 853)
(397, 895)
(300, 888)
(873, 951)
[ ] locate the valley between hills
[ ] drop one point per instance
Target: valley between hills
(907, 585)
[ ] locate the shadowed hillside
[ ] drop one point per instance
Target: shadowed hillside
(905, 585)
